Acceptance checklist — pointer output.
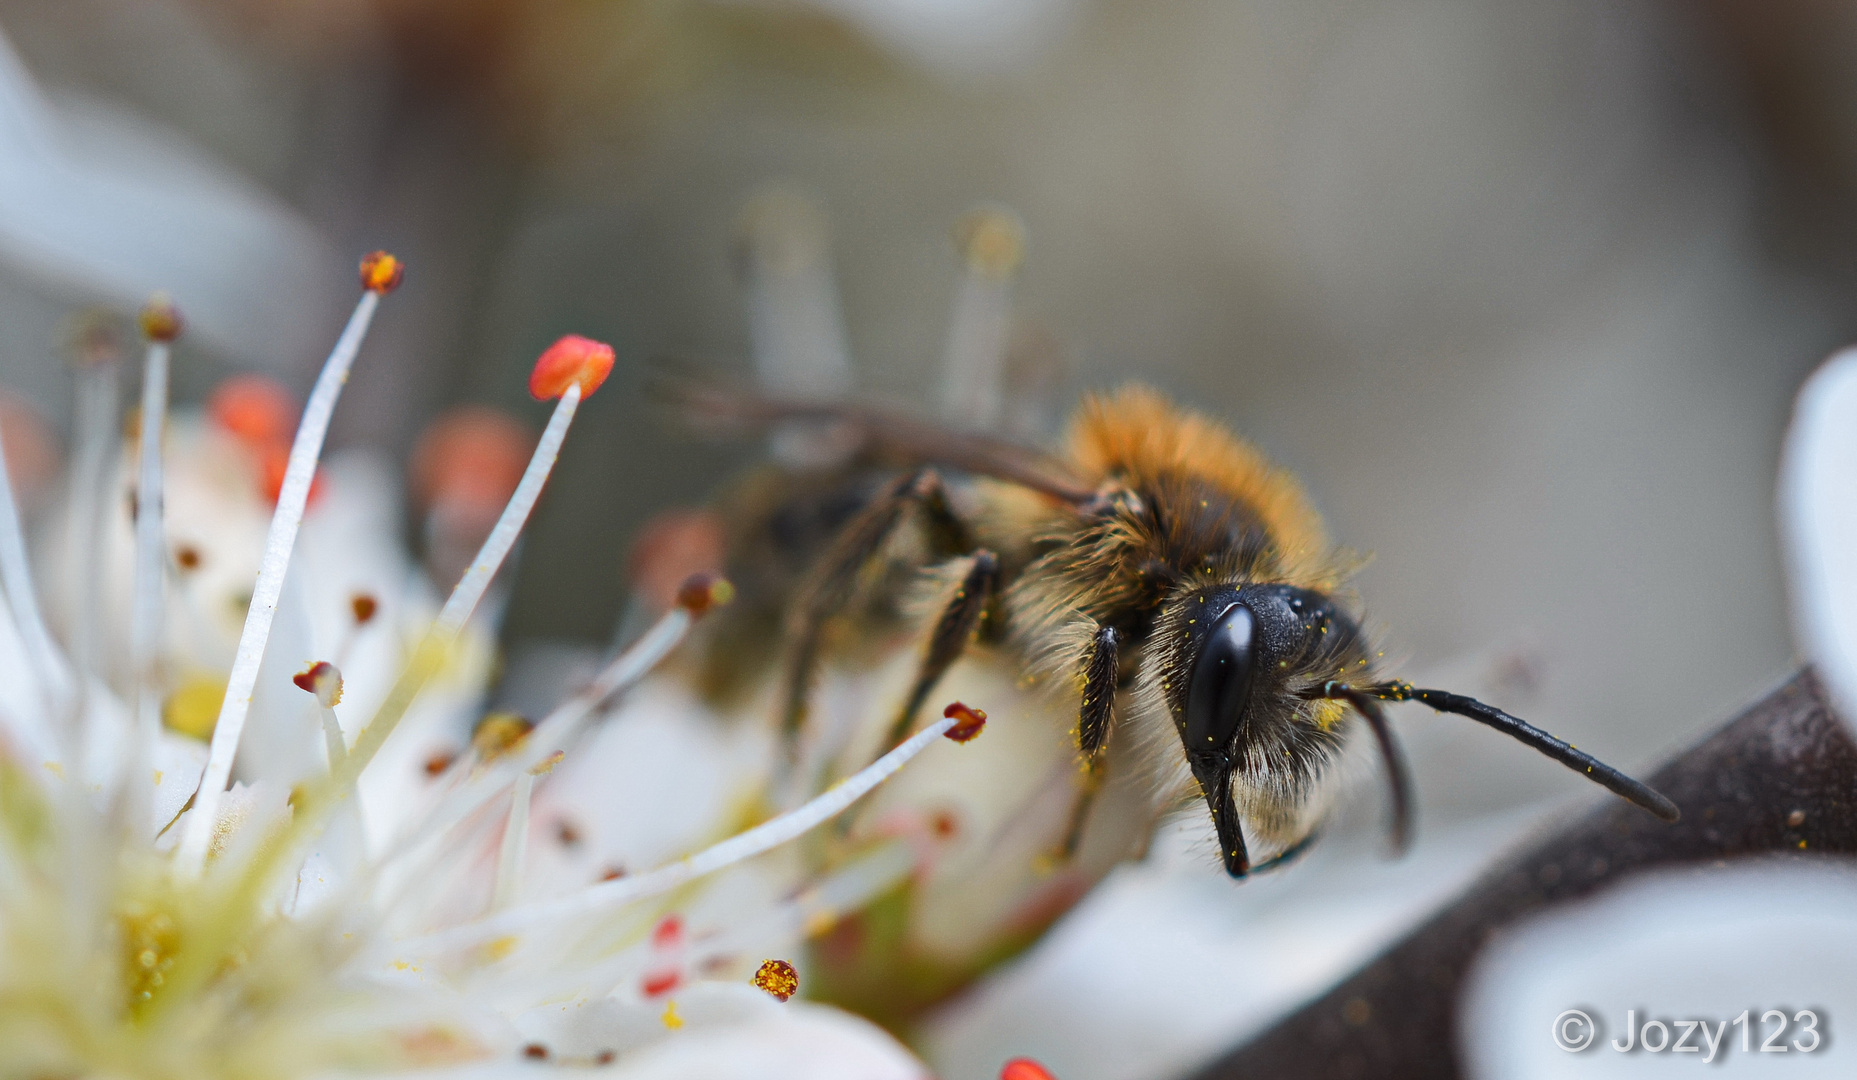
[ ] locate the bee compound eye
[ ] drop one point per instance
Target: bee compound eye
(1221, 682)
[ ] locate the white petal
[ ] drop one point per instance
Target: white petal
(806, 1042)
(1818, 525)
(103, 201)
(1694, 944)
(961, 39)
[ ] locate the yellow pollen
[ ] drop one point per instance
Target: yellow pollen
(671, 1020)
(193, 708)
(150, 940)
(501, 947)
(498, 734)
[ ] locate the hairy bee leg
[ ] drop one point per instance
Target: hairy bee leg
(833, 583)
(959, 619)
(1094, 715)
(829, 586)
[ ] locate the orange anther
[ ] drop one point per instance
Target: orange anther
(967, 722)
(381, 272)
(471, 458)
(160, 320)
(254, 408)
(778, 978)
(364, 606)
(700, 592)
(573, 359)
(1025, 1069)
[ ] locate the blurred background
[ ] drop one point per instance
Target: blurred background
(1523, 292)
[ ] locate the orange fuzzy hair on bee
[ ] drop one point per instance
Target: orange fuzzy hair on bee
(1138, 437)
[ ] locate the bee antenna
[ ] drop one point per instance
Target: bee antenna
(1398, 777)
(1595, 770)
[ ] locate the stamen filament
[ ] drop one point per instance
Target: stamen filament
(476, 580)
(515, 844)
(146, 606)
(554, 733)
(292, 498)
(741, 847)
(16, 577)
(99, 390)
(430, 654)
(973, 365)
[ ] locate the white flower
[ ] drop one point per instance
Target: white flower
(282, 926)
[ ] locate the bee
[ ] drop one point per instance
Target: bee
(1175, 587)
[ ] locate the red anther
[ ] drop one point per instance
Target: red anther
(1025, 1069)
(323, 680)
(668, 934)
(159, 319)
(662, 981)
(778, 978)
(673, 545)
(573, 359)
(256, 409)
(381, 272)
(364, 606)
(612, 873)
(471, 458)
(968, 722)
(701, 592)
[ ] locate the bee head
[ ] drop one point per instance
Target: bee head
(1241, 662)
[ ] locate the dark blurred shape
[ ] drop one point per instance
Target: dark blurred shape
(1790, 62)
(1740, 792)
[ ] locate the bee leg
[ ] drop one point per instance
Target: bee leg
(833, 583)
(1094, 715)
(960, 618)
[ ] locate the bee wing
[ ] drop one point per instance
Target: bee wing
(874, 432)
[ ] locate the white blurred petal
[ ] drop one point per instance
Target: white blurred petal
(807, 1042)
(109, 205)
(960, 39)
(1818, 525)
(1173, 963)
(1701, 943)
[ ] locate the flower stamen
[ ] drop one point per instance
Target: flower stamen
(739, 848)
(292, 498)
(324, 681)
(161, 323)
